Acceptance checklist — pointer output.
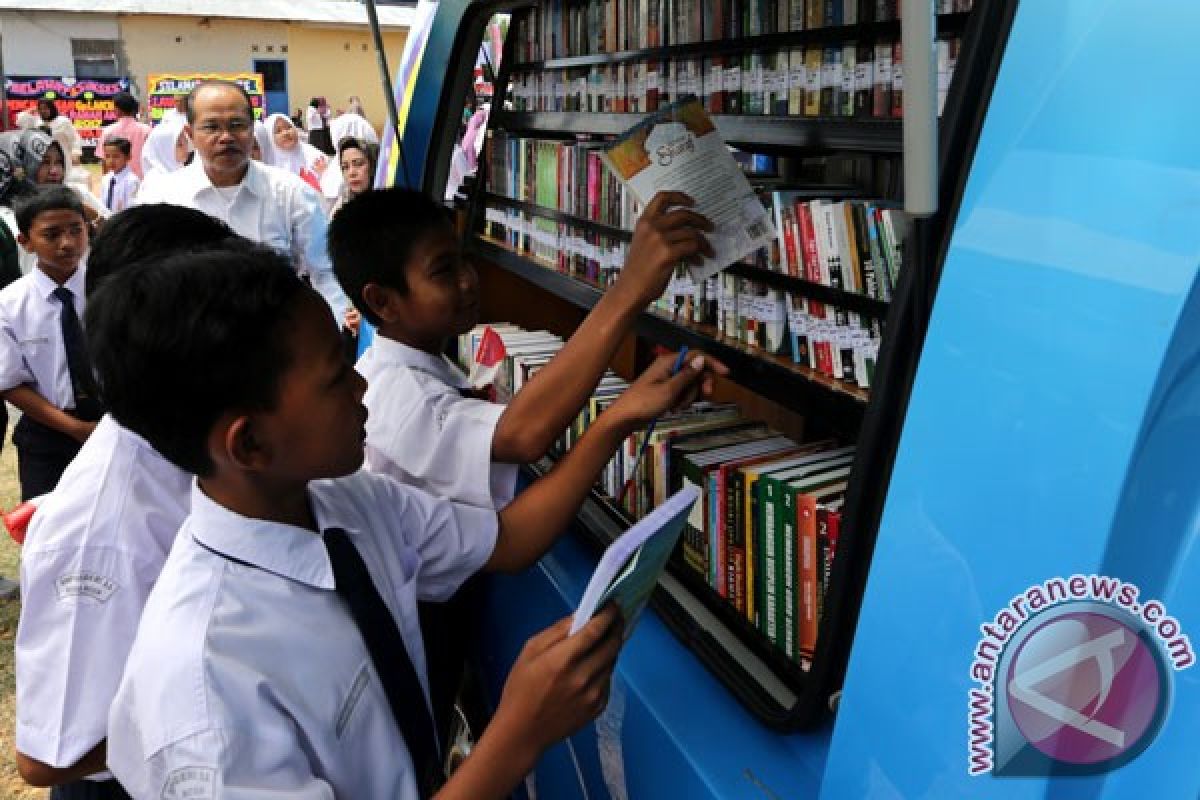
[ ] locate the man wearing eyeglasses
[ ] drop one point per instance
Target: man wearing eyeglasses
(260, 202)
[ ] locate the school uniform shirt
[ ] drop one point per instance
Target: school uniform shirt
(249, 677)
(423, 432)
(118, 189)
(31, 343)
(269, 206)
(133, 130)
(92, 553)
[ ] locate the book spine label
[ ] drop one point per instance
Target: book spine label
(787, 548)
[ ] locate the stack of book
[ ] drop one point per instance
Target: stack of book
(764, 534)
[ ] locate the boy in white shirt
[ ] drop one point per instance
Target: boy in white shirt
(400, 262)
(120, 183)
(279, 652)
(44, 369)
(94, 550)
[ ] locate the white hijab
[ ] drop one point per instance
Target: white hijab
(302, 156)
(158, 153)
(351, 124)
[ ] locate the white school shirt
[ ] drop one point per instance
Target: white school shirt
(270, 206)
(251, 679)
(31, 344)
(422, 432)
(93, 551)
(126, 187)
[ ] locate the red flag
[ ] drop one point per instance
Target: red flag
(488, 357)
(17, 520)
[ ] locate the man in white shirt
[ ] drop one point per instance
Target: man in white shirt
(262, 203)
(93, 551)
(120, 183)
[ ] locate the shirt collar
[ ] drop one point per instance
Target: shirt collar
(198, 179)
(294, 553)
(392, 352)
(46, 285)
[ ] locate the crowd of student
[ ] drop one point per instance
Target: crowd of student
(219, 598)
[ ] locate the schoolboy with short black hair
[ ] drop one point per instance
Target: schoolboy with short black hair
(398, 259)
(279, 651)
(44, 370)
(94, 550)
(120, 183)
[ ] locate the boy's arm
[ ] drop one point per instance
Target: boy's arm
(541, 411)
(36, 773)
(531, 523)
(42, 410)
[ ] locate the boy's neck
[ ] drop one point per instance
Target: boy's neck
(57, 274)
(434, 347)
(288, 505)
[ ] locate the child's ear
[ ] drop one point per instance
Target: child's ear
(23, 240)
(382, 300)
(242, 445)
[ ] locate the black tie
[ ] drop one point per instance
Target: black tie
(83, 384)
(112, 185)
(390, 657)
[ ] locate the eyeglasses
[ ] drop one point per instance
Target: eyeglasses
(235, 126)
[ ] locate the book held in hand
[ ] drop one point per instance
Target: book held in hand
(679, 149)
(632, 564)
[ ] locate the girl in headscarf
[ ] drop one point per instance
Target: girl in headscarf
(167, 147)
(291, 154)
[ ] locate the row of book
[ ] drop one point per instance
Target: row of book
(853, 245)
(859, 79)
(764, 535)
(563, 176)
(836, 343)
(561, 28)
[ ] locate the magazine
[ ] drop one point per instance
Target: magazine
(630, 567)
(678, 148)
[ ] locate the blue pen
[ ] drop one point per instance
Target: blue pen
(678, 365)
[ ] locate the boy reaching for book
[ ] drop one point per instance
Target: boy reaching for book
(399, 260)
(279, 652)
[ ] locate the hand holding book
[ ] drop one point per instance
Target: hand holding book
(667, 234)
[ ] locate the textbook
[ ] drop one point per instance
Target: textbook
(630, 567)
(678, 148)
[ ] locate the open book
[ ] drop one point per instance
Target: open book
(630, 567)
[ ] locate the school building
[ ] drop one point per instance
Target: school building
(303, 49)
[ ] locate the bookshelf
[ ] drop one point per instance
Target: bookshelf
(734, 649)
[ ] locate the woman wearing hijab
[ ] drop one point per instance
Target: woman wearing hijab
(289, 153)
(357, 160)
(167, 147)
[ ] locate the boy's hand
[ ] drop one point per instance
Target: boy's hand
(657, 391)
(559, 683)
(665, 236)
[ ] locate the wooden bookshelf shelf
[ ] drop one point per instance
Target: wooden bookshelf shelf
(851, 301)
(764, 373)
(809, 133)
(947, 24)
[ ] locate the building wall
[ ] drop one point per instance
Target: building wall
(335, 63)
(155, 43)
(39, 43)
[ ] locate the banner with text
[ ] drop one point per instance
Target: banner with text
(88, 103)
(163, 88)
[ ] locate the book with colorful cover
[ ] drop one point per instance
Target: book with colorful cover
(678, 148)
